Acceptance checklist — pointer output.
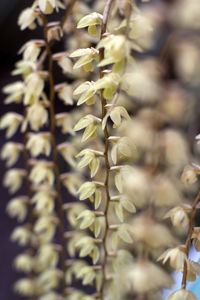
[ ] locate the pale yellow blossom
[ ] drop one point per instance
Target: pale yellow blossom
(47, 6)
(37, 116)
(177, 257)
(17, 207)
(13, 179)
(39, 144)
(11, 121)
(42, 173)
(10, 152)
(15, 91)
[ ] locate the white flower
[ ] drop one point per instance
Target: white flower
(65, 93)
(72, 182)
(24, 262)
(16, 91)
(13, 179)
(44, 200)
(25, 287)
(27, 18)
(64, 121)
(31, 50)
(47, 6)
(68, 152)
(21, 234)
(189, 176)
(49, 279)
(11, 121)
(178, 216)
(17, 207)
(157, 235)
(39, 144)
(34, 85)
(42, 173)
(176, 256)
(48, 256)
(37, 116)
(10, 152)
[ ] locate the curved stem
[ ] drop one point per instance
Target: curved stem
(188, 240)
(107, 164)
(44, 53)
(55, 155)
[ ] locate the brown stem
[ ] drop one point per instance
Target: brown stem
(44, 54)
(55, 154)
(188, 240)
(107, 164)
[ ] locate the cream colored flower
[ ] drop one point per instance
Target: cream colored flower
(86, 56)
(65, 121)
(68, 152)
(47, 6)
(178, 216)
(49, 279)
(11, 121)
(16, 91)
(42, 173)
(143, 82)
(44, 223)
(166, 191)
(13, 179)
(182, 295)
(24, 262)
(17, 207)
(24, 68)
(44, 200)
(22, 235)
(193, 270)
(65, 93)
(142, 28)
(27, 18)
(91, 21)
(171, 141)
(176, 256)
(37, 116)
(39, 144)
(34, 85)
(25, 287)
(72, 182)
(31, 50)
(196, 238)
(185, 13)
(156, 236)
(189, 176)
(136, 185)
(144, 276)
(64, 62)
(11, 152)
(48, 256)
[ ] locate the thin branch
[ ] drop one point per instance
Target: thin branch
(188, 240)
(107, 164)
(44, 54)
(55, 154)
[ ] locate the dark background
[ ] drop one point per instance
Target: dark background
(11, 40)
